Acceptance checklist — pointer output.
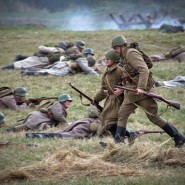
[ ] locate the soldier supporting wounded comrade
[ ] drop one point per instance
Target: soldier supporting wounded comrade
(138, 76)
(43, 119)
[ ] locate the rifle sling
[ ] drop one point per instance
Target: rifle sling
(85, 104)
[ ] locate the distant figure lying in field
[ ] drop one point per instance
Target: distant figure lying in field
(178, 81)
(48, 55)
(68, 66)
(177, 53)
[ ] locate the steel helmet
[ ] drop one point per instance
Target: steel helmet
(80, 44)
(20, 91)
(64, 97)
(88, 51)
(62, 45)
(1, 117)
(118, 41)
(112, 55)
(91, 61)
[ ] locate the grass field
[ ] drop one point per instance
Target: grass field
(151, 160)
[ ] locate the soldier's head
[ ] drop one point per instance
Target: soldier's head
(2, 119)
(111, 57)
(119, 43)
(91, 61)
(80, 44)
(20, 94)
(88, 51)
(62, 45)
(65, 100)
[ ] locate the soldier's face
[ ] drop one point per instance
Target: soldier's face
(108, 62)
(67, 104)
(20, 99)
(117, 49)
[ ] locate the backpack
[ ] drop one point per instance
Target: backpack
(5, 91)
(146, 58)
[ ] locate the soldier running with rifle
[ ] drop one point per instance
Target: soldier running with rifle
(137, 76)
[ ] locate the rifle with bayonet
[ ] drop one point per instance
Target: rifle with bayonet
(171, 103)
(8, 143)
(99, 107)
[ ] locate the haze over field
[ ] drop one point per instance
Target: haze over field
(87, 15)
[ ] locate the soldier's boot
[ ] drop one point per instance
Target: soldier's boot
(120, 134)
(131, 135)
(174, 133)
(43, 135)
(8, 67)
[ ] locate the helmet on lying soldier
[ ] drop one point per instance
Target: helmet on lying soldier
(64, 97)
(88, 51)
(80, 44)
(91, 61)
(118, 41)
(62, 45)
(1, 118)
(20, 91)
(112, 55)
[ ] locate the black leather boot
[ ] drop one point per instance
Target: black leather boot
(8, 67)
(131, 135)
(43, 135)
(120, 134)
(174, 133)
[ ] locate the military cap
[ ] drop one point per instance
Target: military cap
(88, 51)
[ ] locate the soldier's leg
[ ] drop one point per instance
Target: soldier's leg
(125, 110)
(151, 108)
(43, 135)
(44, 126)
(17, 128)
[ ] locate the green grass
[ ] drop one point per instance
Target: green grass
(25, 40)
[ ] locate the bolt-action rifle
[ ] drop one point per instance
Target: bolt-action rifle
(38, 100)
(142, 132)
(8, 143)
(153, 95)
(99, 107)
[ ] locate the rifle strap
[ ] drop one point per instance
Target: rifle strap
(85, 104)
(108, 83)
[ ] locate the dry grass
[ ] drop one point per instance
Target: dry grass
(116, 160)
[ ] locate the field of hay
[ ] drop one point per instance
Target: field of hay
(152, 159)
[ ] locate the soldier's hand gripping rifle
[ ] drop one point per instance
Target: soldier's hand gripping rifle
(153, 95)
(100, 108)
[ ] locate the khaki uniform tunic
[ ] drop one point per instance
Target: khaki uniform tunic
(137, 75)
(113, 75)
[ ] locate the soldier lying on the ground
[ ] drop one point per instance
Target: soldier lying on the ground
(43, 119)
(178, 81)
(177, 53)
(16, 100)
(62, 68)
(80, 129)
(48, 55)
